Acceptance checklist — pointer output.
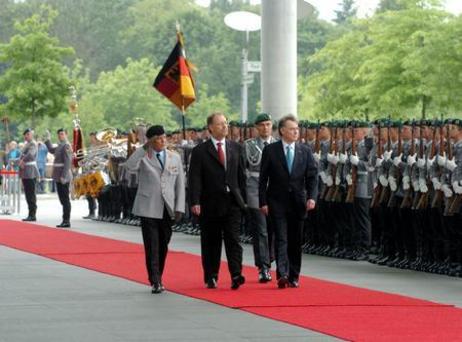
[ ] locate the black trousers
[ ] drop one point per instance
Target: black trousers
(288, 244)
(362, 224)
(91, 205)
(214, 230)
(156, 237)
(63, 194)
(31, 198)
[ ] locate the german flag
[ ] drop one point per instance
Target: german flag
(174, 80)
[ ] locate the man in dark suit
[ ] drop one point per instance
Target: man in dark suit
(217, 191)
(287, 190)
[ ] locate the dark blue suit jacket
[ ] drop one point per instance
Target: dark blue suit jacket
(282, 191)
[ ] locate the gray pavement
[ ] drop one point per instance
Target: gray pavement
(44, 300)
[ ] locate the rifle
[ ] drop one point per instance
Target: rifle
(392, 202)
(385, 195)
(317, 143)
(329, 191)
(450, 202)
(437, 201)
(337, 197)
(423, 200)
(408, 195)
(354, 171)
(379, 188)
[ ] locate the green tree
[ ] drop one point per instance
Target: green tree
(126, 93)
(36, 82)
(205, 105)
(346, 13)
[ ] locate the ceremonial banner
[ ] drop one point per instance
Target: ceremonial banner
(174, 80)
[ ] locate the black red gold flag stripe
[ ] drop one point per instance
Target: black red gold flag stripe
(174, 80)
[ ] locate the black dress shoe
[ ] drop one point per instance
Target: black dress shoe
(157, 288)
(283, 282)
(237, 282)
(264, 276)
(29, 219)
(293, 283)
(64, 225)
(212, 283)
(89, 217)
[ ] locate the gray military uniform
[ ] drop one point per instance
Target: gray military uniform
(63, 161)
(29, 169)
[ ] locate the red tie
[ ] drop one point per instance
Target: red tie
(221, 154)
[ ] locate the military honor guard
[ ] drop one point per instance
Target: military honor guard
(258, 223)
(160, 199)
(287, 190)
(217, 197)
(62, 173)
(28, 172)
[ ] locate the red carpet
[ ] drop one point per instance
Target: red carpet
(343, 311)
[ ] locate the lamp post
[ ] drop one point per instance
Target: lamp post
(246, 22)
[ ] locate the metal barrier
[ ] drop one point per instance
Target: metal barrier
(10, 192)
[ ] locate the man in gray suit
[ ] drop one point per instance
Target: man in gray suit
(62, 173)
(28, 172)
(258, 222)
(160, 198)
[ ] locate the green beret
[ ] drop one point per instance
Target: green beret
(262, 117)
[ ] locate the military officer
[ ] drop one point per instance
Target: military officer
(62, 173)
(258, 222)
(28, 172)
(160, 198)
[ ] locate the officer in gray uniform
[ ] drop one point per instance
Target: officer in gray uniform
(257, 221)
(363, 190)
(28, 172)
(62, 173)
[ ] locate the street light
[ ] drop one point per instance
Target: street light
(246, 22)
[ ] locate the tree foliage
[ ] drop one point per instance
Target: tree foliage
(35, 82)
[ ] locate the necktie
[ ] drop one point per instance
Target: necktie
(221, 154)
(289, 158)
(265, 144)
(160, 160)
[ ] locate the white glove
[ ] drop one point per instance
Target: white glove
(421, 163)
(406, 179)
(379, 162)
(337, 180)
(342, 158)
(329, 181)
(423, 187)
(436, 183)
(332, 158)
(411, 159)
(457, 187)
(323, 176)
(430, 162)
(416, 185)
(397, 160)
(383, 180)
(451, 164)
(317, 156)
(447, 191)
(406, 185)
(375, 184)
(354, 159)
(392, 182)
(387, 155)
(349, 179)
(441, 159)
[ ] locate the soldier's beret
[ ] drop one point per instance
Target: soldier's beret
(457, 122)
(262, 117)
(27, 130)
(155, 130)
